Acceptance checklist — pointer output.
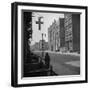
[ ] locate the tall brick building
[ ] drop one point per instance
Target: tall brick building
(72, 32)
(62, 35)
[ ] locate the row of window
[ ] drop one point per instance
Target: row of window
(69, 26)
(68, 38)
(67, 19)
(68, 33)
(68, 22)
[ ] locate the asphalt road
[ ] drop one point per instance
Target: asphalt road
(64, 64)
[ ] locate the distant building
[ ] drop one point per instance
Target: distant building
(54, 36)
(38, 45)
(72, 32)
(57, 36)
(50, 37)
(43, 45)
(35, 46)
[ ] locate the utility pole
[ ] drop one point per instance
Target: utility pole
(43, 44)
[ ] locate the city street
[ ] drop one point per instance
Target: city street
(63, 64)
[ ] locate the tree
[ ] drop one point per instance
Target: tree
(27, 29)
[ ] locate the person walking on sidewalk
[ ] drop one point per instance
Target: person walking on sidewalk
(47, 60)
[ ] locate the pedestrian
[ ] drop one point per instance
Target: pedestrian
(47, 60)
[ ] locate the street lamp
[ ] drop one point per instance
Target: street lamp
(43, 44)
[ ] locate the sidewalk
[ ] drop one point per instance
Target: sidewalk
(64, 53)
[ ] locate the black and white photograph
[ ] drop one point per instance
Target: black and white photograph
(50, 44)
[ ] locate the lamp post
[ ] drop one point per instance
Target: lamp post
(43, 44)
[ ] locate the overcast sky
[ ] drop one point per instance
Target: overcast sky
(48, 18)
